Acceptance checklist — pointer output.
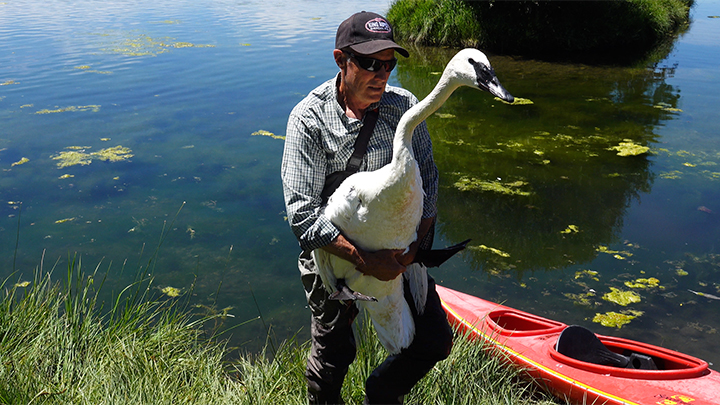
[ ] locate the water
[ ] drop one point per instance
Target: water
(184, 87)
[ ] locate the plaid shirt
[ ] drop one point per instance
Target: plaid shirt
(319, 141)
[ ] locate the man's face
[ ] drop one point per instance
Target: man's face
(361, 86)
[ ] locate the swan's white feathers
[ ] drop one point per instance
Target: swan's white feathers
(382, 209)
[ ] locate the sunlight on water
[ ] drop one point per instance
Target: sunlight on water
(122, 122)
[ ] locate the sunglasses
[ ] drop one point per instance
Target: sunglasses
(373, 65)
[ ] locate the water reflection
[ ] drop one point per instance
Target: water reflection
(554, 190)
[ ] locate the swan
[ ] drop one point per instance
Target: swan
(382, 209)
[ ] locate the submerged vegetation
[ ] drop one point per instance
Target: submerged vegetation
(77, 155)
(545, 29)
(61, 344)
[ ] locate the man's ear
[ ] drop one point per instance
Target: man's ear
(340, 59)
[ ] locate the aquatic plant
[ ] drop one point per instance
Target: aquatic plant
(142, 44)
(263, 132)
(629, 148)
(77, 155)
(489, 249)
(62, 221)
(582, 299)
(587, 273)
(171, 291)
(644, 283)
(571, 229)
(71, 158)
(113, 154)
(512, 188)
(616, 319)
(621, 297)
(618, 254)
(517, 101)
(22, 161)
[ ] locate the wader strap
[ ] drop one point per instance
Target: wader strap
(361, 143)
(333, 181)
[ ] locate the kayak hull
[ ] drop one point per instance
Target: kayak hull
(528, 341)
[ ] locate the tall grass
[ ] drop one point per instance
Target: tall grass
(59, 344)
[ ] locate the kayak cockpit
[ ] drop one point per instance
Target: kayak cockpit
(580, 348)
(508, 322)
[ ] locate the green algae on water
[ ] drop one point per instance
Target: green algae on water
(571, 229)
(621, 297)
(77, 155)
(616, 319)
(114, 154)
(644, 283)
(512, 188)
(171, 291)
(484, 248)
(629, 148)
(262, 132)
(144, 45)
(71, 158)
(672, 175)
(72, 108)
(587, 273)
(22, 161)
(516, 101)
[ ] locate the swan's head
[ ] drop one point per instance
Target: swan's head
(472, 68)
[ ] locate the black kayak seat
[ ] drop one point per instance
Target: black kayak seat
(582, 344)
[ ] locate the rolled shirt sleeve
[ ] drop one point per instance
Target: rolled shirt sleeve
(303, 177)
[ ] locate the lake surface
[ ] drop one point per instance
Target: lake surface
(124, 124)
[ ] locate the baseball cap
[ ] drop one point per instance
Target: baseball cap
(367, 33)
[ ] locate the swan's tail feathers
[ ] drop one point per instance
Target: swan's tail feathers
(324, 266)
(344, 293)
(436, 257)
(417, 278)
(393, 321)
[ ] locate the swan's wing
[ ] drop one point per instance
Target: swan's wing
(344, 204)
(323, 261)
(416, 275)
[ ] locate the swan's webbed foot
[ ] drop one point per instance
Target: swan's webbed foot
(344, 293)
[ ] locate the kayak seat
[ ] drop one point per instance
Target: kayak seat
(582, 344)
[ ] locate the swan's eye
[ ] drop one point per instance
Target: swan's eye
(484, 73)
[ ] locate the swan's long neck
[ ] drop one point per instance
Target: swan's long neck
(402, 143)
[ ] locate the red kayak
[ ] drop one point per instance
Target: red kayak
(574, 363)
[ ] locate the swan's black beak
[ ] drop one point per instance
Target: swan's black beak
(488, 81)
(497, 89)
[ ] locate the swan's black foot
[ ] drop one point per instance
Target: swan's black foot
(436, 257)
(344, 293)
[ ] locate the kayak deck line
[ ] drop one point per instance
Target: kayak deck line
(528, 341)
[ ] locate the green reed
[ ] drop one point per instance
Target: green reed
(59, 344)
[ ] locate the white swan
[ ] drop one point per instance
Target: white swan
(382, 209)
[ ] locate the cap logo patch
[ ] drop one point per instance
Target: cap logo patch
(378, 25)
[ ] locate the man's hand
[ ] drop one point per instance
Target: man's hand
(383, 264)
(386, 264)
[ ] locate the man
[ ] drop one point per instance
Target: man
(321, 133)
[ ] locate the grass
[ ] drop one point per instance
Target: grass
(60, 345)
(609, 32)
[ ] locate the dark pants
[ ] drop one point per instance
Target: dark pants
(333, 349)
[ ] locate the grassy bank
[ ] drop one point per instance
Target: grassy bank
(60, 345)
(609, 31)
